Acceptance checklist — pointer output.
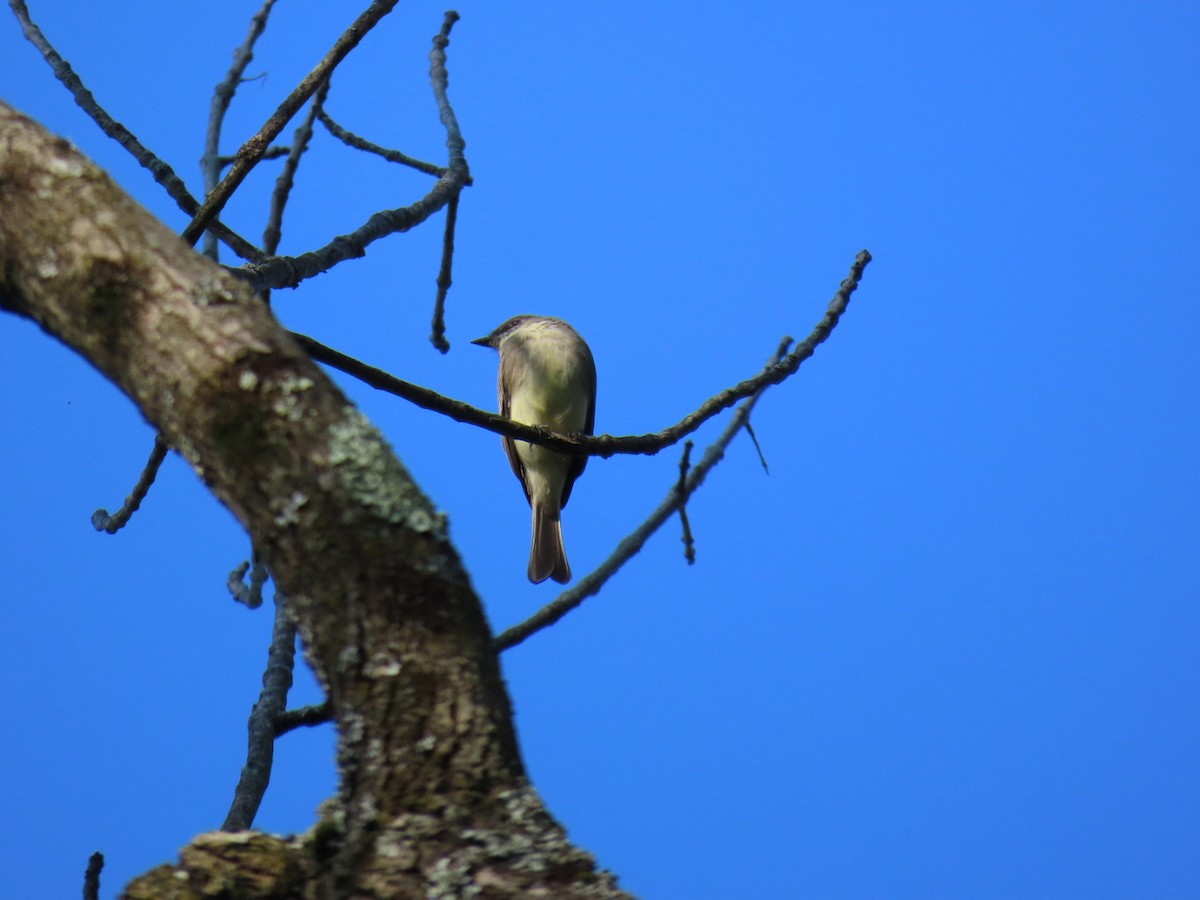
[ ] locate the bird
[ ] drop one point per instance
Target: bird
(547, 377)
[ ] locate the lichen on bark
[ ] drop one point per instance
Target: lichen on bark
(433, 799)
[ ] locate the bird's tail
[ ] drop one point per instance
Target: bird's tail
(547, 556)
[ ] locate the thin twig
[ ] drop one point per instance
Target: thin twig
(593, 582)
(444, 279)
(91, 877)
(289, 271)
(304, 717)
(86, 101)
(160, 170)
(249, 595)
(275, 151)
(439, 77)
(781, 371)
(252, 151)
(604, 445)
(383, 381)
(753, 437)
(350, 139)
(210, 162)
(260, 752)
(284, 271)
(689, 543)
(287, 177)
(102, 521)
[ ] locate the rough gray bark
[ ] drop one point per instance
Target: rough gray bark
(433, 799)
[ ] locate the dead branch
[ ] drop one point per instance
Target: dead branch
(260, 752)
(591, 584)
(252, 151)
(102, 521)
(604, 445)
(350, 139)
(211, 162)
(160, 170)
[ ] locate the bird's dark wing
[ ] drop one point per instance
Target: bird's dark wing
(510, 448)
(579, 463)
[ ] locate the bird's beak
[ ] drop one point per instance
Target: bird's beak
(483, 341)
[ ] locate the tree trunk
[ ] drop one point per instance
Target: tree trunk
(433, 799)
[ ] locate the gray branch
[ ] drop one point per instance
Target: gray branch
(260, 752)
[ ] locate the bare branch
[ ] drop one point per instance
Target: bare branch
(91, 877)
(402, 646)
(350, 139)
(304, 717)
(210, 162)
(249, 595)
(775, 374)
(414, 393)
(593, 582)
(260, 754)
(439, 77)
(275, 151)
(86, 101)
(161, 171)
(444, 280)
(604, 445)
(102, 521)
(282, 271)
(289, 271)
(758, 447)
(689, 543)
(287, 178)
(252, 151)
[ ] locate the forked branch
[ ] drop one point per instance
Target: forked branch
(604, 445)
(160, 170)
(252, 151)
(676, 498)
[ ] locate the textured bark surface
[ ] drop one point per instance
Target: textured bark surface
(433, 799)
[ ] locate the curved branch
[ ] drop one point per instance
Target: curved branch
(260, 751)
(402, 647)
(248, 594)
(102, 521)
(676, 498)
(210, 162)
(428, 761)
(252, 151)
(289, 271)
(439, 77)
(604, 445)
(350, 139)
(160, 170)
(283, 271)
(286, 179)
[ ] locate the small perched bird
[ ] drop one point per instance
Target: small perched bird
(547, 378)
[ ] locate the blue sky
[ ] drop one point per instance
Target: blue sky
(949, 647)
